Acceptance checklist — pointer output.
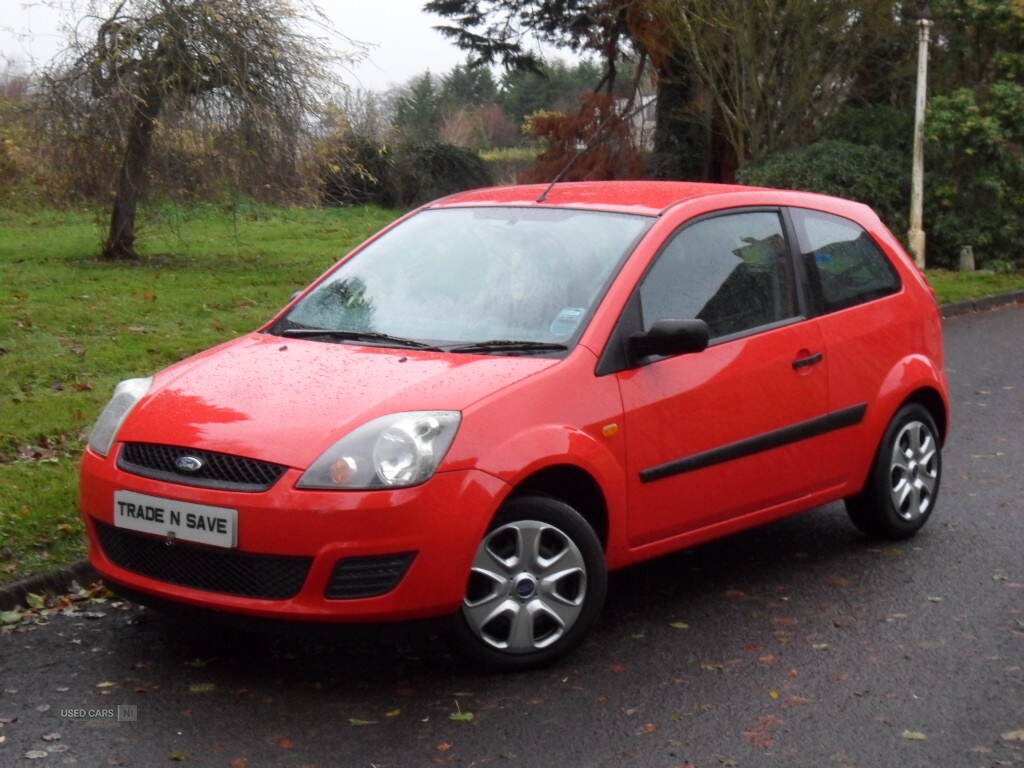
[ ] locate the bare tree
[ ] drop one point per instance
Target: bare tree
(773, 69)
(254, 68)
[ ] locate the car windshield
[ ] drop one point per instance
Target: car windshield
(458, 277)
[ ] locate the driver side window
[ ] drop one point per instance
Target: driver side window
(731, 271)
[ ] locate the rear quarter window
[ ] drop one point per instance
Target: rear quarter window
(844, 265)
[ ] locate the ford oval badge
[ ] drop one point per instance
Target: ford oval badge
(189, 464)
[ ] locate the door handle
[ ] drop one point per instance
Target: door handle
(806, 362)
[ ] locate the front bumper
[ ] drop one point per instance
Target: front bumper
(441, 521)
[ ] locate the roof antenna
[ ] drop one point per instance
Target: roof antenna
(584, 150)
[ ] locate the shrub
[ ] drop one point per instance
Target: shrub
(870, 174)
(356, 171)
(422, 172)
(975, 166)
(878, 125)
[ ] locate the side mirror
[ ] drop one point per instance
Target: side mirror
(670, 337)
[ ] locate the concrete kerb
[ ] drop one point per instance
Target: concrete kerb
(980, 305)
(57, 581)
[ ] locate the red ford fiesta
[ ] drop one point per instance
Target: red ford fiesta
(503, 396)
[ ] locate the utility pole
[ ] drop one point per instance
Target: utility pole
(916, 233)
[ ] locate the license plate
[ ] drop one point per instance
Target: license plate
(174, 519)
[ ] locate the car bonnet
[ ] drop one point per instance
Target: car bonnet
(287, 400)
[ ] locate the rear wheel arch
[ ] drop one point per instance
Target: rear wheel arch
(932, 401)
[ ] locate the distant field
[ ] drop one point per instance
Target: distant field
(71, 327)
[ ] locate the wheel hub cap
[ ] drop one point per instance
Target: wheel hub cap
(526, 587)
(914, 470)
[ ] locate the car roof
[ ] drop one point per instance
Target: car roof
(650, 198)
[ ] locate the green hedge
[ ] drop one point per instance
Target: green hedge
(869, 174)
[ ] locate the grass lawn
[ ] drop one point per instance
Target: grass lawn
(71, 327)
(960, 286)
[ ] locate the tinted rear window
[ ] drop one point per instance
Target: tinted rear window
(844, 264)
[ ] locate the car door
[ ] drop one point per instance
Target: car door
(729, 430)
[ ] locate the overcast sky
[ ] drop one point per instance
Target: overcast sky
(403, 42)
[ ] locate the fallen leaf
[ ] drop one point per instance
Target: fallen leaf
(820, 646)
(51, 736)
(202, 688)
(286, 744)
(679, 625)
(9, 617)
(358, 723)
(1017, 735)
(736, 593)
(774, 695)
(617, 668)
(444, 746)
(106, 684)
(649, 728)
(462, 717)
(36, 754)
(179, 757)
(913, 735)
(393, 713)
(934, 599)
(35, 602)
(238, 762)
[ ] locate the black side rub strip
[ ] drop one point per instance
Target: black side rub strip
(779, 437)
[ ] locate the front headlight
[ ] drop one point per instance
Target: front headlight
(126, 395)
(394, 451)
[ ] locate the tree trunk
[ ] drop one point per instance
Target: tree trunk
(120, 244)
(681, 146)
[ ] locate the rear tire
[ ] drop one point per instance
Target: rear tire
(536, 587)
(903, 485)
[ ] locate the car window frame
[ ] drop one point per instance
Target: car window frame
(615, 358)
(816, 305)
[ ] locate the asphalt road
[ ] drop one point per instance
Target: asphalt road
(799, 644)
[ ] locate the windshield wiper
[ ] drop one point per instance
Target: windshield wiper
(400, 341)
(508, 345)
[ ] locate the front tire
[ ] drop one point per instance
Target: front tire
(536, 586)
(903, 486)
